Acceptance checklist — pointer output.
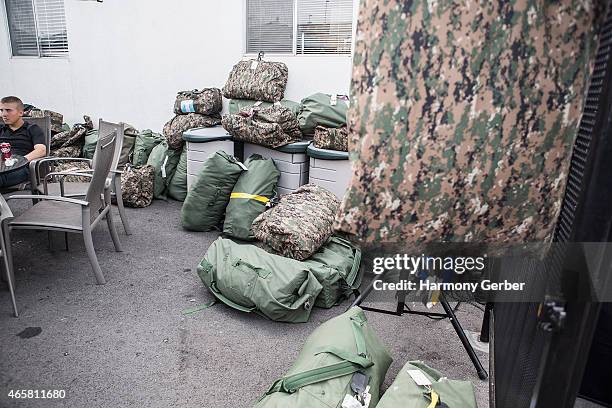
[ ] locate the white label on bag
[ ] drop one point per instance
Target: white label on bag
(254, 64)
(351, 402)
(242, 166)
(333, 100)
(163, 167)
(187, 106)
(257, 103)
(419, 378)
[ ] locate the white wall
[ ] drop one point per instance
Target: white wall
(128, 58)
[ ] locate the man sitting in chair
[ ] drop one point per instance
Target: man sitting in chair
(26, 139)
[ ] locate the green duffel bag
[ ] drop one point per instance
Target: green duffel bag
(206, 200)
(144, 144)
(177, 188)
(250, 279)
(129, 140)
(91, 140)
(252, 192)
(404, 392)
(321, 376)
(324, 110)
(164, 160)
(235, 105)
(336, 267)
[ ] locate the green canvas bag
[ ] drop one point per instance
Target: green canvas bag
(177, 188)
(235, 105)
(336, 267)
(250, 279)
(321, 376)
(324, 110)
(404, 392)
(91, 140)
(164, 160)
(250, 196)
(144, 144)
(206, 200)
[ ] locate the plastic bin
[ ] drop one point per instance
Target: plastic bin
(203, 143)
(330, 169)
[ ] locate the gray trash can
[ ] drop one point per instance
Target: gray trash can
(203, 143)
(330, 169)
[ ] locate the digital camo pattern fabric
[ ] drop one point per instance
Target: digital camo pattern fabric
(330, 138)
(137, 186)
(174, 128)
(300, 223)
(273, 126)
(73, 167)
(257, 80)
(70, 143)
(206, 102)
(57, 119)
(463, 117)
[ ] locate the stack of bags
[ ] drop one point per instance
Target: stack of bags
(323, 117)
(257, 113)
(193, 109)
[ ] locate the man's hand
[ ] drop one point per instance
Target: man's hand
(40, 150)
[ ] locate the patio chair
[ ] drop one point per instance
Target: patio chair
(45, 124)
(5, 250)
(78, 189)
(56, 213)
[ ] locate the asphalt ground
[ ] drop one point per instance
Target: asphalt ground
(128, 344)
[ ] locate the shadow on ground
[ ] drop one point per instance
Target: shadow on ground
(126, 343)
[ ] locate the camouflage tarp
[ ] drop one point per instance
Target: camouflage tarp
(57, 119)
(137, 185)
(273, 126)
(257, 80)
(300, 223)
(205, 102)
(462, 117)
(330, 138)
(174, 128)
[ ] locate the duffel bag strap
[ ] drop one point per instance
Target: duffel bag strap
(217, 293)
(351, 363)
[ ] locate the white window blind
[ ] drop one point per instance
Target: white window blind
(37, 27)
(299, 26)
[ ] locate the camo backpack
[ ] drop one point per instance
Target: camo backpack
(137, 186)
(206, 102)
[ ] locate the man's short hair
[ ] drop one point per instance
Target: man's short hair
(13, 99)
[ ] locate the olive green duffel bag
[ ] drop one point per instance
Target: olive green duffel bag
(404, 392)
(252, 192)
(177, 188)
(235, 105)
(205, 203)
(324, 110)
(321, 376)
(164, 160)
(336, 267)
(250, 279)
(144, 144)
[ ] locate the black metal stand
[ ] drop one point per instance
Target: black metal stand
(449, 313)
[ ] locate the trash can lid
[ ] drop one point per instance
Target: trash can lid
(206, 134)
(297, 147)
(326, 154)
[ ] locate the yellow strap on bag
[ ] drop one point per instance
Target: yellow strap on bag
(259, 198)
(434, 399)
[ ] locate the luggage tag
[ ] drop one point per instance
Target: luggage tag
(359, 385)
(351, 402)
(254, 64)
(333, 100)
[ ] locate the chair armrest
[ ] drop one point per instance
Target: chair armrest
(50, 198)
(34, 165)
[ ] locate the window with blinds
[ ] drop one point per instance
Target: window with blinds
(299, 26)
(37, 27)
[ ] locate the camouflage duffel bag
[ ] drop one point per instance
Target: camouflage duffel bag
(331, 358)
(331, 138)
(174, 128)
(57, 119)
(205, 203)
(250, 279)
(205, 102)
(272, 127)
(257, 80)
(250, 196)
(137, 185)
(300, 223)
(236, 105)
(322, 109)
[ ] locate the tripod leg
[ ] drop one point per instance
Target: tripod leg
(482, 374)
(484, 331)
(363, 295)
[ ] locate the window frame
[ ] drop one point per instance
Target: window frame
(9, 41)
(294, 53)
